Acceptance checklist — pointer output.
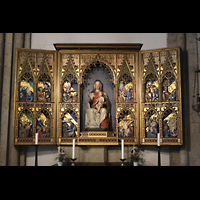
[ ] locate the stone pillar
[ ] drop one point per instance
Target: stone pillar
(194, 126)
(18, 42)
(171, 40)
(5, 110)
(27, 40)
(179, 155)
(8, 152)
(181, 42)
(2, 38)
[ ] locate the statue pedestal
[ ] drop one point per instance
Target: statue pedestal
(97, 134)
(98, 154)
(98, 138)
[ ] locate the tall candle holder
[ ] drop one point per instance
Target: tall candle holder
(122, 164)
(73, 160)
(36, 154)
(159, 159)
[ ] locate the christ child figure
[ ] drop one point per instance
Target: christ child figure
(100, 101)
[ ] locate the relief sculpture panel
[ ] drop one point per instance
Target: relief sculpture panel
(35, 78)
(161, 96)
(98, 96)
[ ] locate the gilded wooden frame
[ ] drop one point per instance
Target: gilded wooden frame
(34, 68)
(78, 61)
(135, 68)
(164, 64)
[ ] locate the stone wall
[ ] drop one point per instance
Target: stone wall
(8, 43)
(188, 154)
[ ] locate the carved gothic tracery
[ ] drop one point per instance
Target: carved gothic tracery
(161, 102)
(34, 96)
(146, 98)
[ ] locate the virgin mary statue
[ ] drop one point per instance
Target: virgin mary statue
(97, 115)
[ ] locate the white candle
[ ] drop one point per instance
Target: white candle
(158, 139)
(73, 149)
(36, 138)
(58, 149)
(122, 148)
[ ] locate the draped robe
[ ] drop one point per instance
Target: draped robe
(93, 118)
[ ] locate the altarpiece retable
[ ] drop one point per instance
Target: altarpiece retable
(98, 94)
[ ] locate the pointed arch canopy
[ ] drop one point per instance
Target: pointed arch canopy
(99, 60)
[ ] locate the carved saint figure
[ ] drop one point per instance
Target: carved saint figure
(128, 95)
(155, 94)
(125, 93)
(170, 127)
(166, 94)
(29, 97)
(22, 95)
(68, 128)
(173, 128)
(152, 92)
(69, 94)
(173, 95)
(166, 132)
(96, 115)
(126, 127)
(25, 126)
(26, 92)
(41, 95)
(152, 128)
(47, 92)
(25, 129)
(149, 95)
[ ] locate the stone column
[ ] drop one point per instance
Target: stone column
(181, 42)
(9, 154)
(2, 38)
(27, 40)
(179, 155)
(174, 150)
(13, 158)
(194, 126)
(5, 110)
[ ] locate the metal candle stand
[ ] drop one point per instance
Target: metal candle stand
(159, 160)
(73, 160)
(36, 154)
(122, 164)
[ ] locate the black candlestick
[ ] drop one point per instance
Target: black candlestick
(159, 160)
(36, 154)
(73, 160)
(122, 164)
